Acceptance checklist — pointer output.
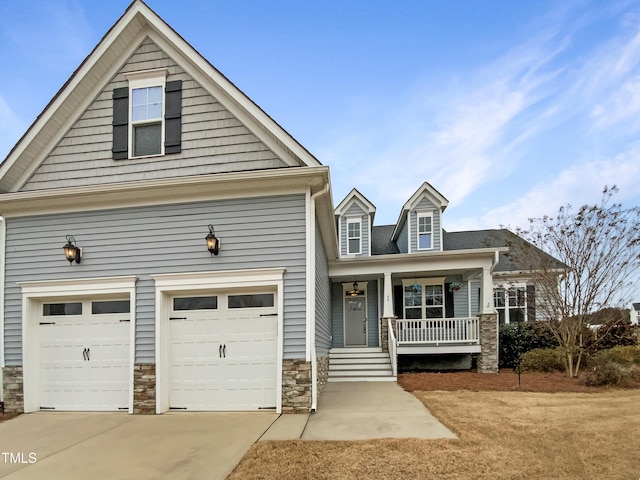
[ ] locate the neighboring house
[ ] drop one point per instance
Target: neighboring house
(634, 314)
(204, 266)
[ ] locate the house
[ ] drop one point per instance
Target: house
(166, 245)
(634, 313)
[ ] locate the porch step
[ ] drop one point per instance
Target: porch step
(359, 365)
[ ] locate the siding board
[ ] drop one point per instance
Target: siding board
(255, 233)
(213, 140)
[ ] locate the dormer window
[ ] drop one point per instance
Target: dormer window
(425, 231)
(354, 236)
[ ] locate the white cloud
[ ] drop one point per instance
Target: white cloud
(578, 185)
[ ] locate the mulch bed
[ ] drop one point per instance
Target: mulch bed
(505, 381)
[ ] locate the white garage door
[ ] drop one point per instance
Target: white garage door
(223, 352)
(84, 355)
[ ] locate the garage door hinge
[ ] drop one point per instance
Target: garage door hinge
(47, 408)
(266, 408)
(177, 318)
(268, 314)
(123, 408)
(177, 408)
(47, 323)
(127, 320)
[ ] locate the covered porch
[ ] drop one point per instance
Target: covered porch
(418, 304)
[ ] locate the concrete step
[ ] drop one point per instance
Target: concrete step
(356, 360)
(360, 366)
(355, 350)
(361, 372)
(362, 379)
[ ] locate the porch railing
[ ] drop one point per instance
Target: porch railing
(393, 349)
(438, 331)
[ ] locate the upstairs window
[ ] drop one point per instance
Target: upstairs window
(425, 231)
(146, 121)
(147, 116)
(353, 237)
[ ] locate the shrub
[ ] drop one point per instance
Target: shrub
(519, 338)
(543, 360)
(616, 333)
(617, 366)
(624, 356)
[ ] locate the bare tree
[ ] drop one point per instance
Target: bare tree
(596, 263)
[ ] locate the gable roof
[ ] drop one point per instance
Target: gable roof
(137, 23)
(425, 188)
(355, 194)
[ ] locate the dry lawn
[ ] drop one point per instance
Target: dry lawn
(502, 435)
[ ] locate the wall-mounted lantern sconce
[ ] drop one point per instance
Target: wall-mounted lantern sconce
(72, 251)
(213, 243)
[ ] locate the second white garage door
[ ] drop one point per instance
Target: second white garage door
(223, 352)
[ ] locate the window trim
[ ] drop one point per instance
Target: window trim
(425, 282)
(359, 237)
(147, 79)
(420, 215)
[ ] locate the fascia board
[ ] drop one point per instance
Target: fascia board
(435, 261)
(353, 196)
(158, 192)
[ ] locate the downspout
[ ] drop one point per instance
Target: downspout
(312, 302)
(3, 237)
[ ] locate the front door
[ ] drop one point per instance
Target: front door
(355, 321)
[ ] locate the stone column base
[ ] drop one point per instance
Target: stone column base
(296, 386)
(488, 359)
(384, 332)
(323, 372)
(144, 389)
(13, 389)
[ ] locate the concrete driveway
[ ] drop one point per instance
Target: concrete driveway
(94, 446)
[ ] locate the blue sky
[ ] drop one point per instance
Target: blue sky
(509, 109)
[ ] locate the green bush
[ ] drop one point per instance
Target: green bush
(519, 338)
(543, 360)
(617, 366)
(624, 356)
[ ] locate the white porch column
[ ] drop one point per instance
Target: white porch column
(486, 292)
(387, 311)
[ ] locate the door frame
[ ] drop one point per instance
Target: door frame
(172, 284)
(345, 288)
(36, 293)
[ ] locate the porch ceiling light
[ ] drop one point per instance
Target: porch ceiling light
(213, 243)
(354, 291)
(72, 251)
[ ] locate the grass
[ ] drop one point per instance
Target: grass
(502, 435)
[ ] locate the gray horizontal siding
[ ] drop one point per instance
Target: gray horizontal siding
(337, 312)
(372, 313)
(425, 205)
(461, 300)
(254, 233)
(403, 239)
(323, 299)
(213, 140)
(474, 287)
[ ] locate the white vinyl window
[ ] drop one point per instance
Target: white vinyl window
(354, 237)
(146, 114)
(424, 299)
(511, 304)
(425, 231)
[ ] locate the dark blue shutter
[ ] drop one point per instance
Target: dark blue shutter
(120, 148)
(173, 117)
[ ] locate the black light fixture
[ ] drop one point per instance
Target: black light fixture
(72, 251)
(354, 292)
(213, 243)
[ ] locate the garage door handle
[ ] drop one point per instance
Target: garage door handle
(220, 350)
(85, 355)
(224, 351)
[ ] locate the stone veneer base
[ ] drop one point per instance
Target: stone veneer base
(144, 389)
(296, 386)
(488, 359)
(13, 389)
